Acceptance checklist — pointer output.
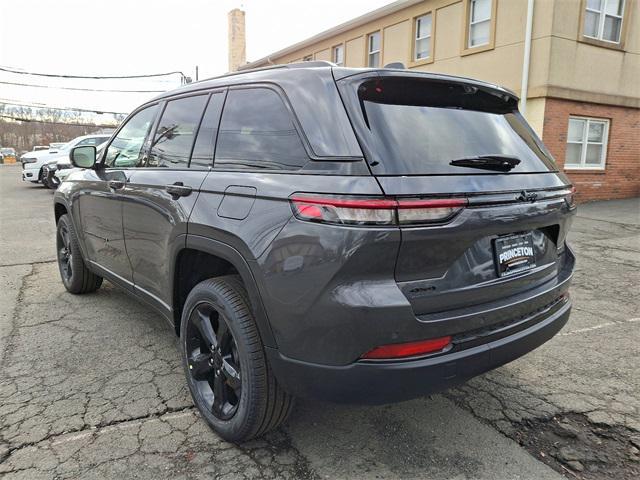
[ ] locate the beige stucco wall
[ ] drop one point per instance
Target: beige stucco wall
(582, 71)
(561, 66)
(323, 55)
(354, 52)
(501, 65)
(535, 114)
(395, 47)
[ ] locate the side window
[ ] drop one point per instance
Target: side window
(202, 156)
(91, 141)
(124, 150)
(176, 132)
(256, 131)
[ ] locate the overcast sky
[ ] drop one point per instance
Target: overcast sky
(129, 37)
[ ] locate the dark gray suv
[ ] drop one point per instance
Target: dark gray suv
(356, 235)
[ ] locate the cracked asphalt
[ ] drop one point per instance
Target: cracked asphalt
(91, 386)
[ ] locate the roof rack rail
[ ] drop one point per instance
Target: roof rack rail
(311, 64)
(307, 64)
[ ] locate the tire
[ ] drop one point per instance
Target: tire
(250, 403)
(75, 275)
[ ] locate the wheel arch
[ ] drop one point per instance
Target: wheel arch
(217, 258)
(59, 209)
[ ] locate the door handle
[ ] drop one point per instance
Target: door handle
(116, 184)
(178, 189)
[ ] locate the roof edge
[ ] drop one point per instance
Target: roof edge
(343, 27)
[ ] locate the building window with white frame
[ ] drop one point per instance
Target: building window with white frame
(603, 20)
(586, 143)
(373, 49)
(422, 47)
(338, 55)
(479, 22)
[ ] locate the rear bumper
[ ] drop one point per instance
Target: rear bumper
(386, 382)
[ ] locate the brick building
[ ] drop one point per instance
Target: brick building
(574, 63)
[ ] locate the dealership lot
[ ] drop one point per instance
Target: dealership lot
(91, 385)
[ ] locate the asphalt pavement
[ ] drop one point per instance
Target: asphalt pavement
(91, 386)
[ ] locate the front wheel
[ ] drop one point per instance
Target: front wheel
(224, 361)
(76, 277)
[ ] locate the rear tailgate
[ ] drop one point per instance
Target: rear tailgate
(456, 264)
(411, 128)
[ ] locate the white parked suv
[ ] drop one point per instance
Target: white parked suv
(32, 162)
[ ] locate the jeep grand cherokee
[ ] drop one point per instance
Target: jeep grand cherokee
(357, 235)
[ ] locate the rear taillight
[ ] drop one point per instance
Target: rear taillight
(410, 349)
(374, 210)
(341, 210)
(432, 210)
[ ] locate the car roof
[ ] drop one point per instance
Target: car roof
(324, 125)
(276, 73)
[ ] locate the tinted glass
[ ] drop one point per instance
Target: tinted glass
(202, 155)
(256, 131)
(176, 132)
(416, 127)
(124, 150)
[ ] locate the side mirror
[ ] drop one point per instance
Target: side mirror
(83, 157)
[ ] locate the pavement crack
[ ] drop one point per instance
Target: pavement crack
(39, 262)
(571, 442)
(16, 313)
(93, 429)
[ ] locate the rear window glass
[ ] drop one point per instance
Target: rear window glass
(418, 127)
(256, 132)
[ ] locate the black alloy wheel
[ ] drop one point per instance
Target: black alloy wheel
(65, 255)
(76, 277)
(213, 361)
(225, 364)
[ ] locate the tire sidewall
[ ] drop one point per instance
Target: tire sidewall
(240, 423)
(75, 283)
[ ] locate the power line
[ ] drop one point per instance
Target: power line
(81, 89)
(106, 77)
(31, 120)
(19, 104)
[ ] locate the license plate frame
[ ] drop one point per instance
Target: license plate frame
(514, 254)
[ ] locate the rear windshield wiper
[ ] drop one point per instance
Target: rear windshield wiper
(500, 163)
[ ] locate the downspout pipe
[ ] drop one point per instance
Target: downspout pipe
(524, 87)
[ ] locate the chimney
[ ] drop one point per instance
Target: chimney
(237, 44)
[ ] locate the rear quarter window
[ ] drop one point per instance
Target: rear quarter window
(257, 132)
